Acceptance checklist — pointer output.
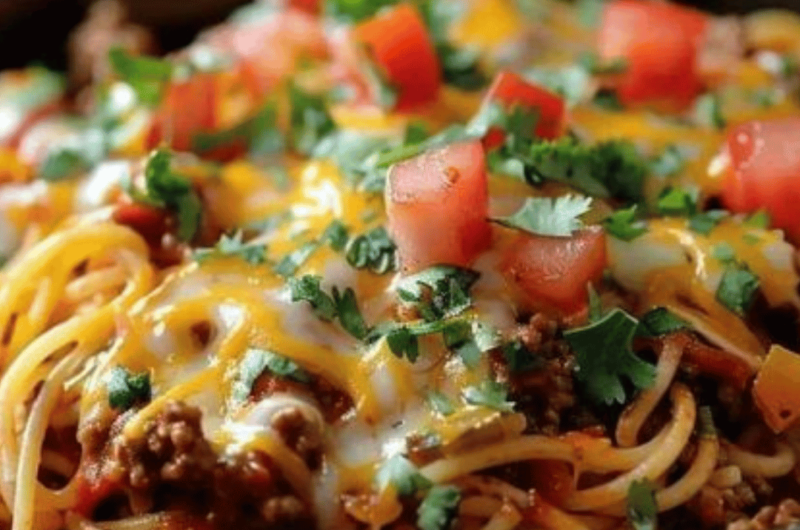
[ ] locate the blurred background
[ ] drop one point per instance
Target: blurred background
(37, 30)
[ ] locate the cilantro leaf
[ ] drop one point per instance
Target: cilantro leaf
(349, 314)
(519, 358)
(335, 235)
(253, 254)
(608, 169)
(623, 225)
(724, 252)
(341, 305)
(660, 321)
(292, 261)
(62, 164)
(255, 362)
(704, 222)
(595, 304)
(642, 508)
(594, 64)
(167, 189)
(126, 389)
(440, 403)
(490, 394)
(307, 288)
(737, 288)
(439, 507)
(401, 474)
(549, 217)
(373, 250)
(674, 201)
(604, 356)
(708, 111)
(309, 120)
(438, 292)
(669, 163)
(759, 219)
(355, 10)
(260, 133)
(148, 76)
(403, 343)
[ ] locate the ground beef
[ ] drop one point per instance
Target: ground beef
(173, 467)
(299, 433)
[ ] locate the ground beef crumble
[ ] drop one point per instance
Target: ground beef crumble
(174, 467)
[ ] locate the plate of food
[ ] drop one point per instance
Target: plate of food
(433, 264)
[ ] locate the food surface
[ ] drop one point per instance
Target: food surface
(433, 264)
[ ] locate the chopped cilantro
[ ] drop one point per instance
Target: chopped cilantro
(608, 169)
(461, 67)
(458, 337)
(438, 292)
(708, 111)
(549, 217)
(642, 508)
(403, 343)
(167, 189)
(348, 312)
(490, 394)
(724, 252)
(148, 76)
(623, 225)
(439, 508)
(759, 219)
(704, 222)
(259, 133)
(595, 65)
(126, 389)
(355, 10)
(519, 358)
(307, 288)
(253, 254)
(62, 164)
(402, 475)
(677, 202)
(416, 132)
(705, 423)
(604, 356)
(385, 93)
(255, 362)
(595, 304)
(373, 250)
(669, 163)
(341, 305)
(309, 119)
(570, 82)
(607, 99)
(335, 235)
(737, 288)
(291, 262)
(440, 403)
(660, 321)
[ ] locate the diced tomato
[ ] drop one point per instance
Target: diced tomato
(188, 107)
(551, 273)
(150, 222)
(437, 204)
(510, 90)
(399, 43)
(660, 43)
(309, 6)
(776, 391)
(765, 171)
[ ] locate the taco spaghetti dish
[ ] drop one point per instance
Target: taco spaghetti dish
(430, 264)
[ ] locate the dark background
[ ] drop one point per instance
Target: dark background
(36, 30)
